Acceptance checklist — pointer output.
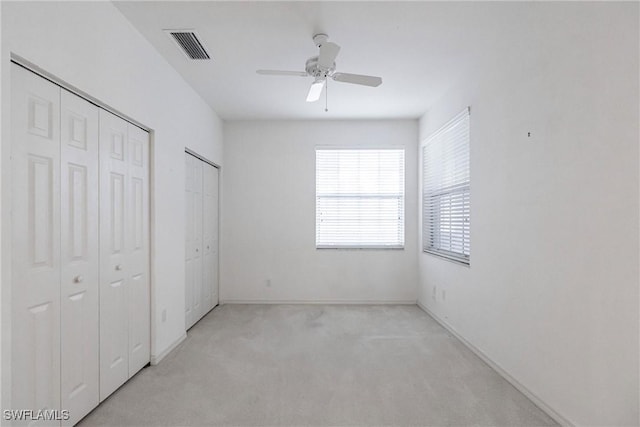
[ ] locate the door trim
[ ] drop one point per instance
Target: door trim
(199, 157)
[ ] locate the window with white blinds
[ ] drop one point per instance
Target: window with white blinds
(446, 191)
(359, 198)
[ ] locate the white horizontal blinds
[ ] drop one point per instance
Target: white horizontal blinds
(446, 190)
(360, 198)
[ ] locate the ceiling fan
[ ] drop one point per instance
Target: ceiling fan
(322, 66)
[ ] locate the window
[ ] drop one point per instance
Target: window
(446, 191)
(359, 198)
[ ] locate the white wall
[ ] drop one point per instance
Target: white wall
(268, 216)
(552, 292)
(93, 47)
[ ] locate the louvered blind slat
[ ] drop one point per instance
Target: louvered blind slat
(359, 198)
(446, 191)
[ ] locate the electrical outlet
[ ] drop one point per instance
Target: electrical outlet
(268, 283)
(444, 294)
(164, 315)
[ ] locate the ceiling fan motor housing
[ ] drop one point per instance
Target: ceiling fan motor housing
(314, 70)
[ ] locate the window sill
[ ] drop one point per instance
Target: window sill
(465, 263)
(393, 248)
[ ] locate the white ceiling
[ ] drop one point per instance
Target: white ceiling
(418, 48)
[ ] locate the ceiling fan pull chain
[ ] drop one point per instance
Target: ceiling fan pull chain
(326, 96)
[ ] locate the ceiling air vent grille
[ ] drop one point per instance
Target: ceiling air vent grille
(190, 43)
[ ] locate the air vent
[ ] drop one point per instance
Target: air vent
(190, 43)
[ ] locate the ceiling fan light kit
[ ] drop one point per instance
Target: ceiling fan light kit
(322, 66)
(315, 91)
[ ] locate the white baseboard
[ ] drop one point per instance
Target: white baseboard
(504, 374)
(156, 359)
(319, 302)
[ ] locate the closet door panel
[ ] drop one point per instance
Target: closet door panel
(138, 243)
(210, 236)
(35, 109)
(207, 285)
(194, 307)
(215, 239)
(198, 308)
(79, 256)
(189, 243)
(114, 286)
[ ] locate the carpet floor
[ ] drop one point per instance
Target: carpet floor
(318, 365)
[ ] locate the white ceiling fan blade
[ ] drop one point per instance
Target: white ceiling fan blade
(315, 91)
(358, 79)
(328, 53)
(282, 73)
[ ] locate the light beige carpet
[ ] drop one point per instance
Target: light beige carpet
(294, 365)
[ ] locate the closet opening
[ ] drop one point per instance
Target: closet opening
(80, 281)
(201, 237)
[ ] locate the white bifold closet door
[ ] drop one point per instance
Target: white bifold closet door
(79, 256)
(124, 249)
(35, 296)
(55, 248)
(193, 241)
(210, 235)
(201, 239)
(80, 323)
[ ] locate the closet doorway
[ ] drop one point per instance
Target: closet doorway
(80, 288)
(201, 237)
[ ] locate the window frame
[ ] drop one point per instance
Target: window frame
(357, 147)
(461, 190)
